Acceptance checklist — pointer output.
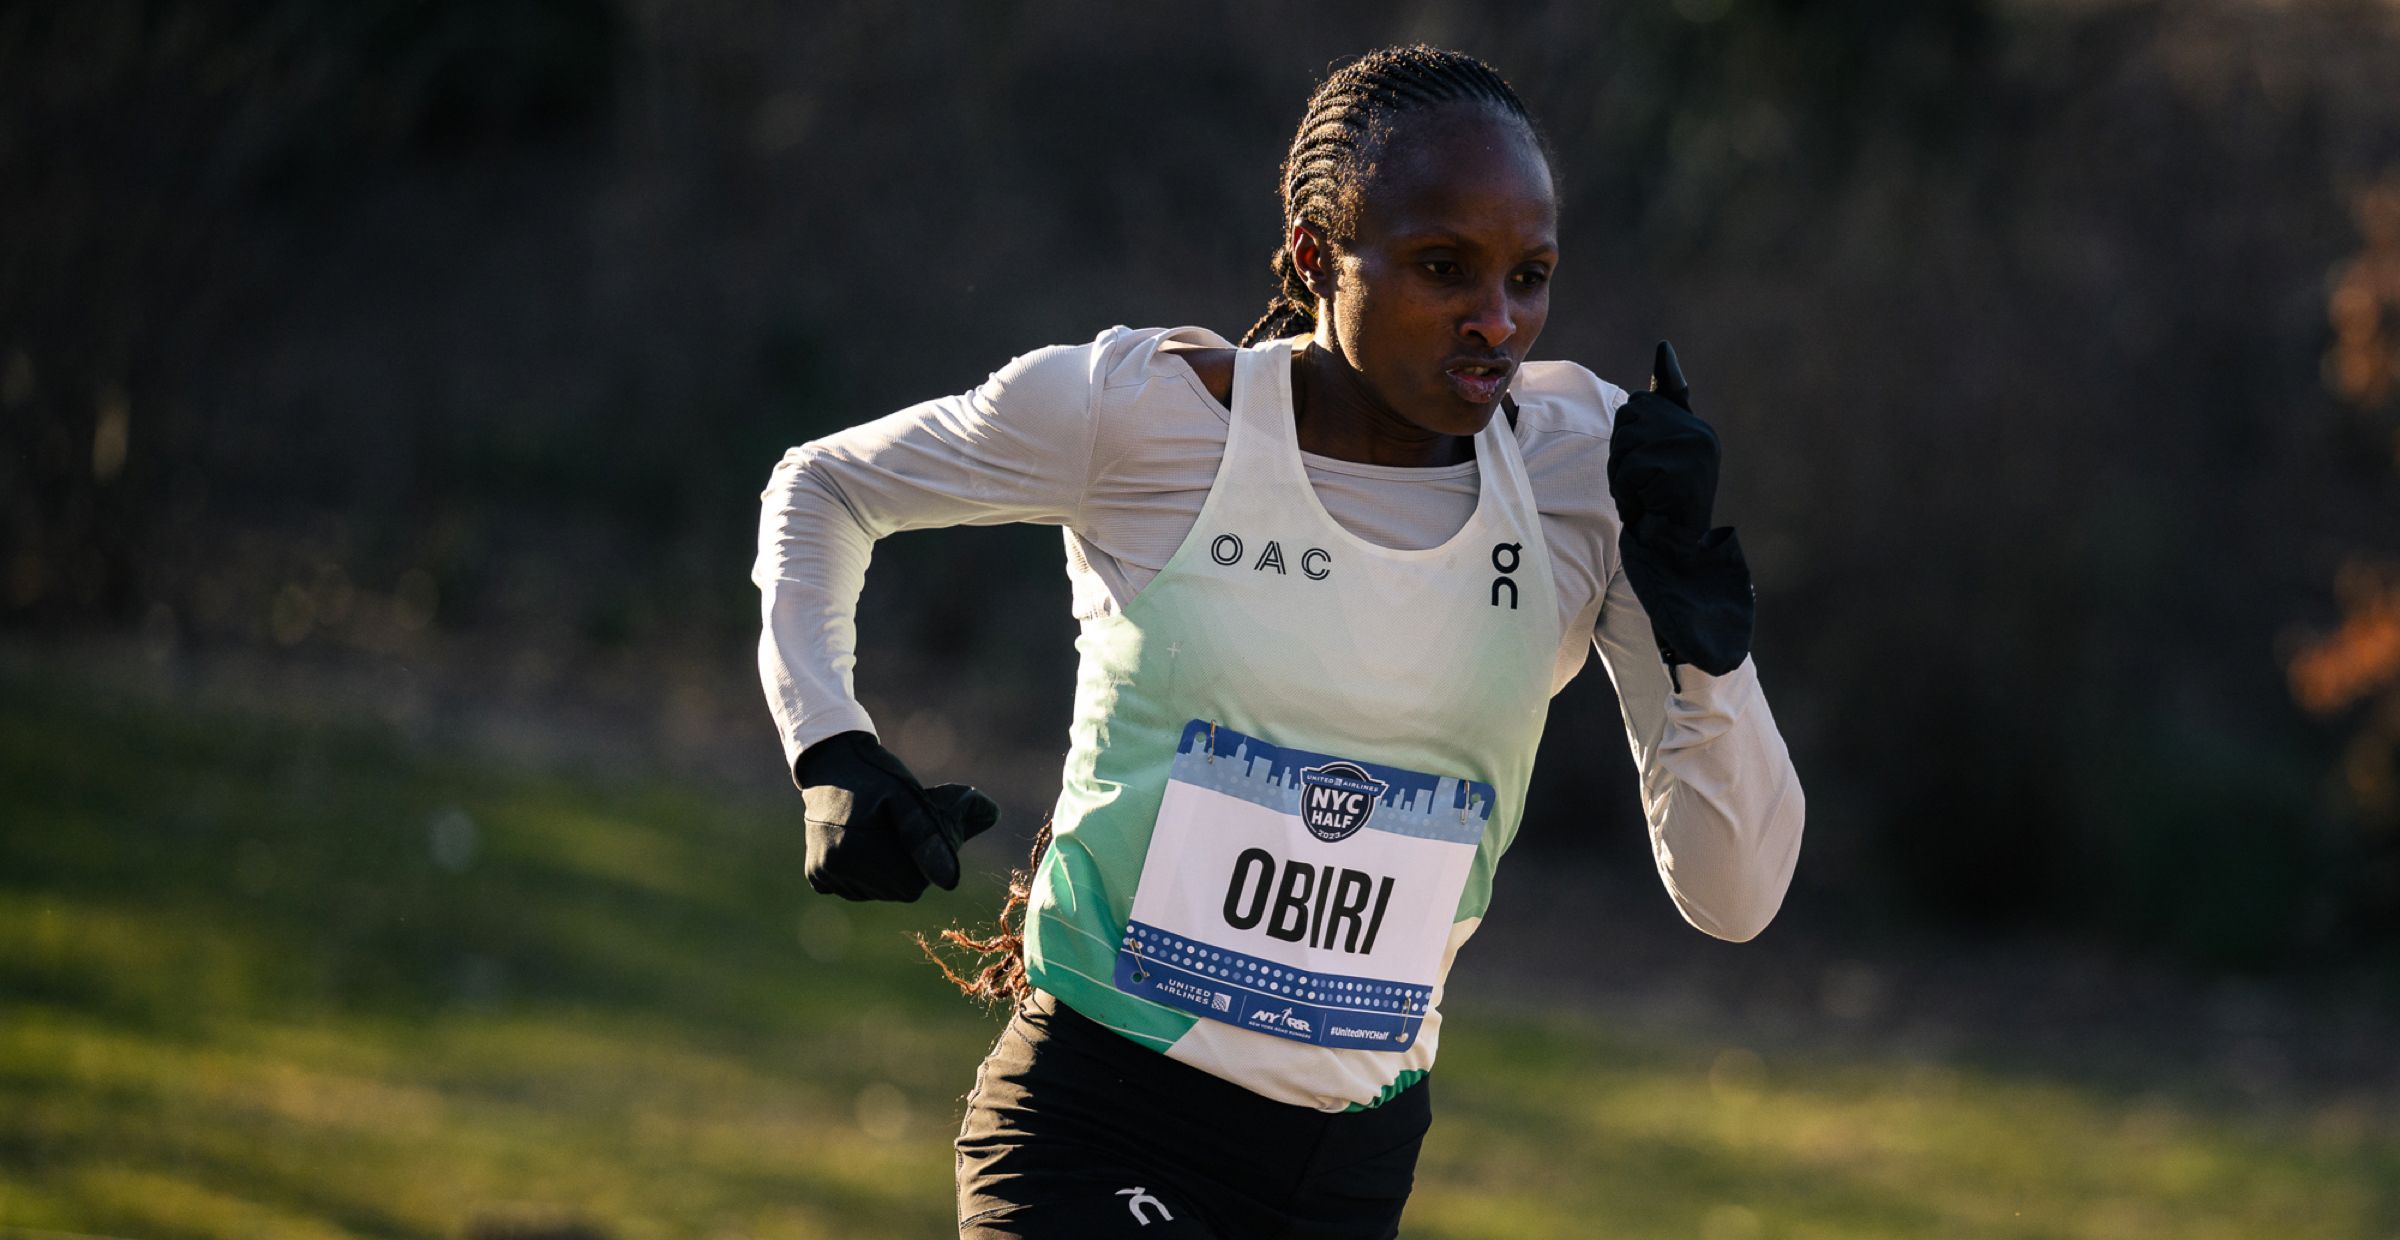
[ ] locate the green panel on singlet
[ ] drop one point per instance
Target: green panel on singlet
(1116, 770)
(1399, 1086)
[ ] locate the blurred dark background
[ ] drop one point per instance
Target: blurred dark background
(427, 360)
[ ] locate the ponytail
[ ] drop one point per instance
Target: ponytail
(995, 963)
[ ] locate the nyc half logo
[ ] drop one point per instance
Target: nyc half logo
(1336, 799)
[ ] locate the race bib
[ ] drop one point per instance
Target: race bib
(1300, 894)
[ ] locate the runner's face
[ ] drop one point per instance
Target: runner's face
(1440, 296)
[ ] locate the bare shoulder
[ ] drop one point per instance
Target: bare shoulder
(1212, 365)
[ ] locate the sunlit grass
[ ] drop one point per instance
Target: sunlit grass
(1715, 1140)
(262, 980)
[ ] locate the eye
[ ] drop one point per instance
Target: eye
(1532, 277)
(1440, 268)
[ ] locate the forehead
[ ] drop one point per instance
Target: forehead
(1462, 168)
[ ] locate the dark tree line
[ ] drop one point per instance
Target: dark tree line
(347, 327)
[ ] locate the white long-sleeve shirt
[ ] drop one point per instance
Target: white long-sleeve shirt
(1118, 442)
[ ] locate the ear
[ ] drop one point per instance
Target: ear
(1312, 258)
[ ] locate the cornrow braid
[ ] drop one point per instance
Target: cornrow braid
(1348, 120)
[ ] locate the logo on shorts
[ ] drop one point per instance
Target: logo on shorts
(1336, 799)
(1139, 1199)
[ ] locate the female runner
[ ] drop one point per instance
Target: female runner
(1328, 581)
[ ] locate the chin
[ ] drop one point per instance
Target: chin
(1461, 418)
(1452, 412)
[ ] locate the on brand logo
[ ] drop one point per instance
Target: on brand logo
(1506, 557)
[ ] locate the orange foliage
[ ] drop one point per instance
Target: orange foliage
(2363, 364)
(2360, 660)
(2362, 657)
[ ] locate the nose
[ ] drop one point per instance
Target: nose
(1489, 319)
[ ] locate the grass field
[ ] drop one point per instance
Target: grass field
(258, 979)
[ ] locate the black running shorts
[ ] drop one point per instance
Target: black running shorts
(1076, 1133)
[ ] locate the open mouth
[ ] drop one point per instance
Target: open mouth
(1479, 382)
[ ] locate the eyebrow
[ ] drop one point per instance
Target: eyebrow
(1443, 236)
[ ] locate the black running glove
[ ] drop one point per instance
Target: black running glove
(1662, 471)
(874, 832)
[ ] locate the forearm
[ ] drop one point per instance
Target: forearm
(1723, 804)
(812, 564)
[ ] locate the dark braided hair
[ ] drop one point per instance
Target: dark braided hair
(1347, 123)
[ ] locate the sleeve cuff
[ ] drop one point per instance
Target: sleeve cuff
(833, 721)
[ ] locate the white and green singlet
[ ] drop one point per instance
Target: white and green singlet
(1296, 758)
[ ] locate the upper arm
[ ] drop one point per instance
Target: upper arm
(1562, 432)
(1016, 448)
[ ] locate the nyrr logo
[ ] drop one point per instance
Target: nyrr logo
(1284, 1019)
(1336, 799)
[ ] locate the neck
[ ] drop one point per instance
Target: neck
(1338, 416)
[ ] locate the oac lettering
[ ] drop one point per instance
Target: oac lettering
(1322, 905)
(1227, 549)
